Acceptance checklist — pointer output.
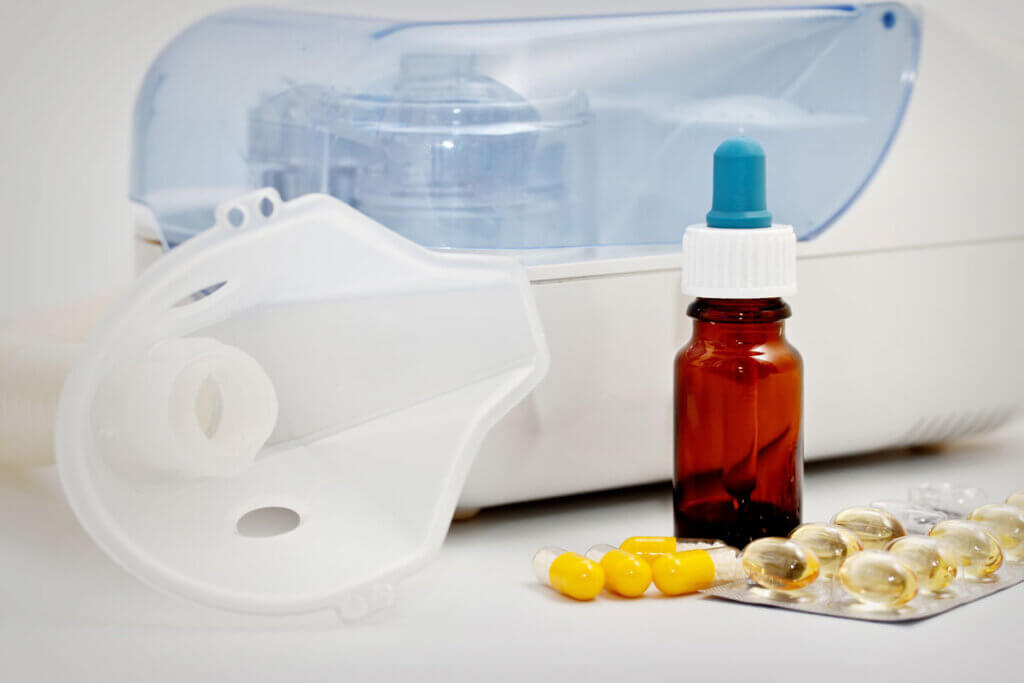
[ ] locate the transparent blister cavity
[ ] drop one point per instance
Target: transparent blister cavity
(916, 519)
(955, 501)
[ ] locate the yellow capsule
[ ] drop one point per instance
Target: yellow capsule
(694, 570)
(652, 547)
(1006, 522)
(568, 573)
(977, 550)
(780, 564)
(831, 544)
(624, 573)
(1016, 499)
(875, 528)
(932, 560)
(878, 578)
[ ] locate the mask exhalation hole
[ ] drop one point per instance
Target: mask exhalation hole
(268, 521)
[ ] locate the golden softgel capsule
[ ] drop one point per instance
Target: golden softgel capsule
(1006, 522)
(831, 544)
(1016, 499)
(694, 570)
(875, 528)
(977, 550)
(624, 573)
(932, 560)
(780, 564)
(568, 573)
(878, 578)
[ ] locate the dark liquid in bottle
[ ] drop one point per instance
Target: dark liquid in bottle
(738, 442)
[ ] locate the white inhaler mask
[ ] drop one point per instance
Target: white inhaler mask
(280, 417)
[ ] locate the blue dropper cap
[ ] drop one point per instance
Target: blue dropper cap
(739, 182)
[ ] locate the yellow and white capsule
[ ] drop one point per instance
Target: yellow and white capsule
(651, 547)
(568, 573)
(694, 570)
(977, 550)
(1006, 522)
(624, 573)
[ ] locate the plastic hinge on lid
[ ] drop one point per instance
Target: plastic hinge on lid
(280, 417)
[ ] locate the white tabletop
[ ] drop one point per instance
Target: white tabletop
(477, 614)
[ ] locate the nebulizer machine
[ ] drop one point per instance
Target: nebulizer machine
(415, 267)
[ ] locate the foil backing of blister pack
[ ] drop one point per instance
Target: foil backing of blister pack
(827, 597)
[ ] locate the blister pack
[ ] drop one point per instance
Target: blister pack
(865, 564)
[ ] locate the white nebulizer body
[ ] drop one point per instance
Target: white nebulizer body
(579, 147)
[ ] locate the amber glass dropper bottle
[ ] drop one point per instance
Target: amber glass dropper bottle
(738, 382)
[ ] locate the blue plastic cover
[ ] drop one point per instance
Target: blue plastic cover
(524, 133)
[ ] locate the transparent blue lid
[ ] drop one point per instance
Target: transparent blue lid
(522, 133)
